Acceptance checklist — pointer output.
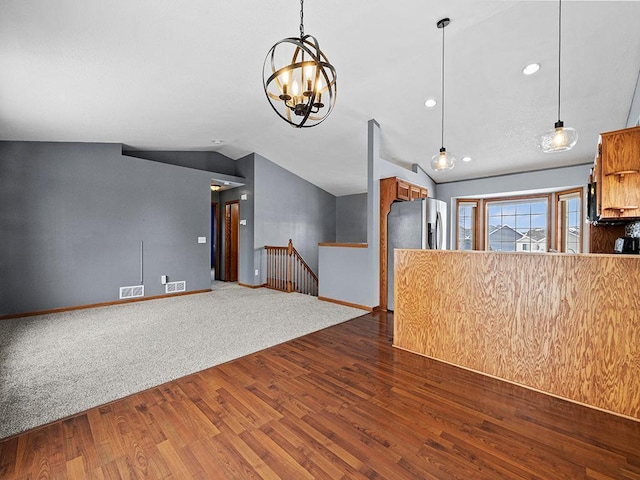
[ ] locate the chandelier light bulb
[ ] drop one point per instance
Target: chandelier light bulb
(559, 138)
(308, 71)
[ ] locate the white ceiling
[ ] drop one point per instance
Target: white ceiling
(168, 75)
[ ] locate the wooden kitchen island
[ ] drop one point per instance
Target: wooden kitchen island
(567, 325)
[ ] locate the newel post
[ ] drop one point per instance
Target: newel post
(289, 262)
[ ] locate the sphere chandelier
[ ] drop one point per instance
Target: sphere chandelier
(299, 81)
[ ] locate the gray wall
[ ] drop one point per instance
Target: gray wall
(527, 182)
(207, 161)
(351, 218)
(634, 111)
(289, 207)
(73, 216)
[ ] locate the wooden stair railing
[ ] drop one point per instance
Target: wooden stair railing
(287, 271)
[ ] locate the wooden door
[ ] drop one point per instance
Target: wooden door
(231, 240)
(215, 234)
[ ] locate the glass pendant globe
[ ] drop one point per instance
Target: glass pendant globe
(442, 161)
(559, 139)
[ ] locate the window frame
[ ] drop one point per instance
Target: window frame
(518, 198)
(476, 244)
(560, 234)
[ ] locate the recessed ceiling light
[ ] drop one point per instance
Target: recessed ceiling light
(430, 103)
(531, 68)
(217, 142)
(466, 159)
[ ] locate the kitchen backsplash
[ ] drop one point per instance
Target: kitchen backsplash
(632, 229)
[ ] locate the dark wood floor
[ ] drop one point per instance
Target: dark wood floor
(340, 403)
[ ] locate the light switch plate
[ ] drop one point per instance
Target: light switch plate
(202, 239)
(243, 196)
(243, 222)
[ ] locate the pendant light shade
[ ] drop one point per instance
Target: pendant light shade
(560, 138)
(442, 160)
(299, 81)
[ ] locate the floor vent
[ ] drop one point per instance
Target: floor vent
(132, 292)
(173, 287)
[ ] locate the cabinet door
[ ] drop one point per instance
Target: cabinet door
(415, 192)
(621, 151)
(423, 193)
(620, 174)
(403, 191)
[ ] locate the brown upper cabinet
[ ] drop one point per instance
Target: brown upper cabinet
(407, 191)
(617, 174)
(403, 190)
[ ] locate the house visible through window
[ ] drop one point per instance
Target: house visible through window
(517, 225)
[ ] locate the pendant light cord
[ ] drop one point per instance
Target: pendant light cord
(442, 114)
(559, 50)
(301, 18)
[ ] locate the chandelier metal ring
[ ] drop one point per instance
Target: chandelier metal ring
(298, 78)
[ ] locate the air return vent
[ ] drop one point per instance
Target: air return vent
(132, 292)
(173, 287)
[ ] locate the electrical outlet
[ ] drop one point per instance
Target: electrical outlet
(163, 279)
(257, 272)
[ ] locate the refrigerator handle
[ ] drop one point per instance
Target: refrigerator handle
(438, 241)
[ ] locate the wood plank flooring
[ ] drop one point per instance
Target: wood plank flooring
(339, 403)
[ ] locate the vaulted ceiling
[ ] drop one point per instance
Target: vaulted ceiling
(167, 75)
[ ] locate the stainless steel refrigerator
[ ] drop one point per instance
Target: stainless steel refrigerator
(415, 224)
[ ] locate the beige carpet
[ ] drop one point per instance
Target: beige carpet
(52, 366)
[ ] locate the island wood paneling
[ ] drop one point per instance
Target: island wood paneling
(568, 325)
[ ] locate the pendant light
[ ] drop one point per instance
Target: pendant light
(298, 79)
(560, 138)
(442, 160)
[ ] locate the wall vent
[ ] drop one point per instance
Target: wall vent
(174, 287)
(132, 291)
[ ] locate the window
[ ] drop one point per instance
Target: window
(517, 225)
(569, 221)
(509, 224)
(467, 225)
(522, 224)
